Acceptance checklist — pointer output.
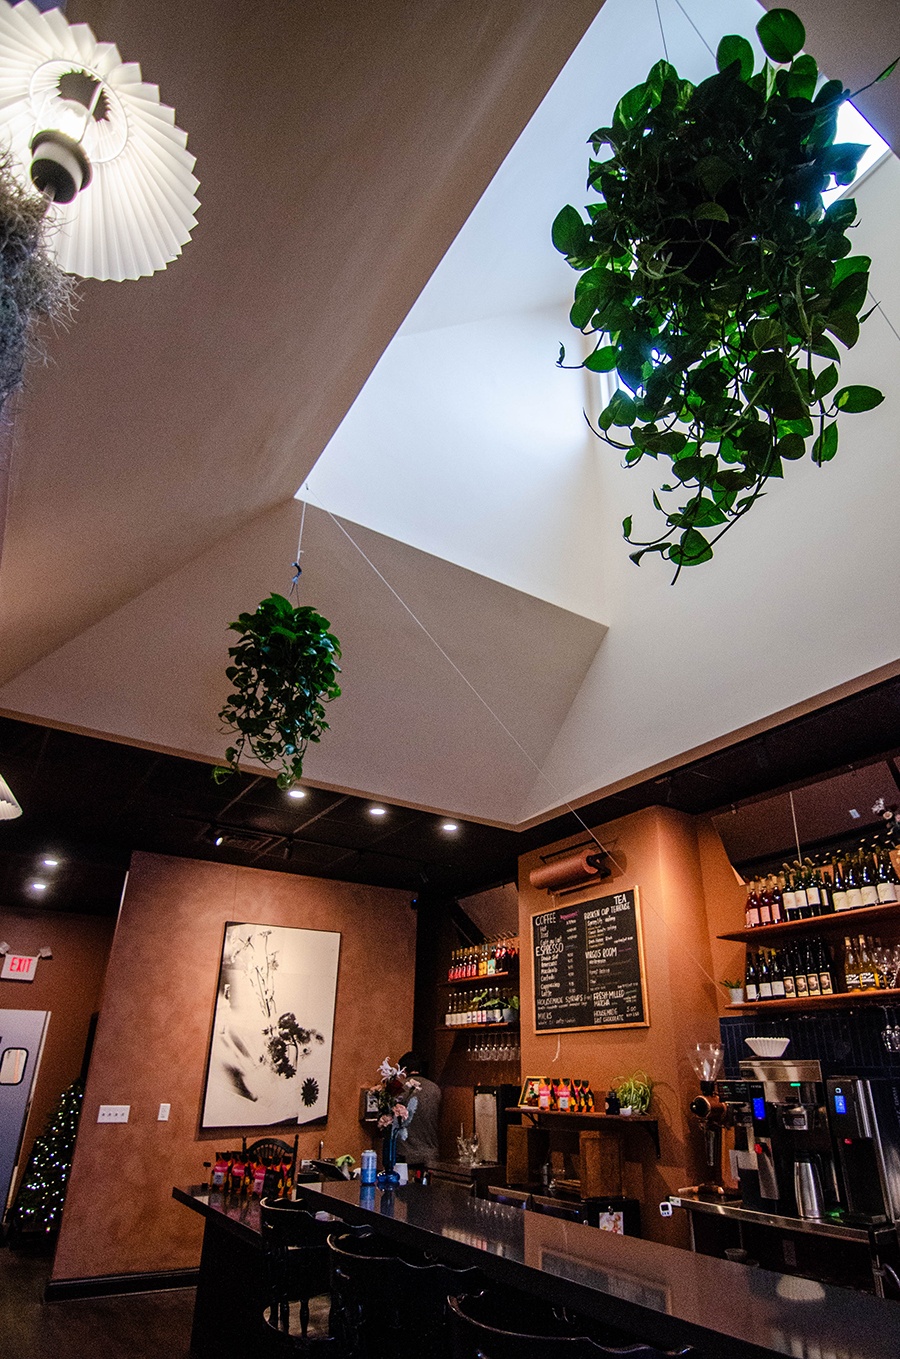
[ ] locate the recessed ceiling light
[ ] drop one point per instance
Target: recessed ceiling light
(219, 840)
(377, 811)
(38, 887)
(297, 792)
(449, 826)
(50, 863)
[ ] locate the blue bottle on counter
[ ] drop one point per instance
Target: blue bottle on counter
(369, 1167)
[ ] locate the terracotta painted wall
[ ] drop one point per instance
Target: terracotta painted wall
(69, 985)
(658, 851)
(154, 1030)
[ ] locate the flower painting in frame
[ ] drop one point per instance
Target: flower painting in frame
(270, 1050)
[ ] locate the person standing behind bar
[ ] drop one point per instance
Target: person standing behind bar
(421, 1145)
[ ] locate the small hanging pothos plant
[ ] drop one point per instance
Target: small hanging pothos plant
(283, 673)
(719, 280)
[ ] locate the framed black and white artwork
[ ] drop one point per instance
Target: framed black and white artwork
(269, 1057)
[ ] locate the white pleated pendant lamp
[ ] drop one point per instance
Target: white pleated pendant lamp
(9, 807)
(91, 134)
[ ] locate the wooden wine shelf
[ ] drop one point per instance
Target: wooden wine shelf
(840, 1000)
(838, 922)
(482, 1028)
(488, 977)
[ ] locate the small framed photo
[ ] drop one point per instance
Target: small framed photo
(528, 1095)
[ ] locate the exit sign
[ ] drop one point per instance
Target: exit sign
(16, 967)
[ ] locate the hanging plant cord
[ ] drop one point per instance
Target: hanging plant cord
(716, 283)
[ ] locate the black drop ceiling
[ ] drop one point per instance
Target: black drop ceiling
(91, 802)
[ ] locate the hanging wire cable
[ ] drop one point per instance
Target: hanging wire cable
(695, 28)
(298, 569)
(796, 833)
(662, 31)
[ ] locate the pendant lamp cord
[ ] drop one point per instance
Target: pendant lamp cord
(662, 31)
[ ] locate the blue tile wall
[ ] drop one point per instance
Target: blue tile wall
(847, 1042)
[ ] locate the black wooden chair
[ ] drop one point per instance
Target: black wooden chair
(569, 1212)
(492, 1326)
(297, 1268)
(385, 1303)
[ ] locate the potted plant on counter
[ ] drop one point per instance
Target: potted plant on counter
(634, 1092)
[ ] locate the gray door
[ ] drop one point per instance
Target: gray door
(21, 1044)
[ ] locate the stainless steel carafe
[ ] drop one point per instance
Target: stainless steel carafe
(808, 1188)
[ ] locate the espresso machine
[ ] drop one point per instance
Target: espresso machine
(865, 1123)
(783, 1144)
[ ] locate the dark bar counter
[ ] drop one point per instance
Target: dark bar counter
(665, 1296)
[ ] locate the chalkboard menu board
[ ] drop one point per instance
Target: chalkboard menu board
(588, 965)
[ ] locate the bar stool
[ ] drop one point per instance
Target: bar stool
(478, 1333)
(383, 1302)
(297, 1267)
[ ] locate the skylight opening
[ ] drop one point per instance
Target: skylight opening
(853, 127)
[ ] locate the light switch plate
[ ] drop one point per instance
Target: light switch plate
(113, 1113)
(164, 1111)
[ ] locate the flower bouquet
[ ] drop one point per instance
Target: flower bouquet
(397, 1101)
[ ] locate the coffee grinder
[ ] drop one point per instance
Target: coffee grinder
(714, 1116)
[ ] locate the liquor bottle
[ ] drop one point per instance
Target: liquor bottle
(751, 913)
(813, 985)
(751, 984)
(867, 979)
(854, 892)
(887, 878)
(826, 968)
(868, 881)
(764, 978)
(851, 966)
(777, 975)
(788, 901)
(838, 889)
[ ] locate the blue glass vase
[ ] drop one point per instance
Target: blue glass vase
(388, 1175)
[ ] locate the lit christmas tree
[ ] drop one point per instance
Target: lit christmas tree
(39, 1202)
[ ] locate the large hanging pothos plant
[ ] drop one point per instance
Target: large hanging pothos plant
(719, 281)
(284, 671)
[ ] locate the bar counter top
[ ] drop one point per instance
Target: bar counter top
(665, 1295)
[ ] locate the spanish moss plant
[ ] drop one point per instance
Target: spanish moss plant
(32, 286)
(716, 283)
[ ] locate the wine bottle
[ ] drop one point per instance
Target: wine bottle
(787, 893)
(851, 966)
(838, 888)
(813, 894)
(813, 986)
(752, 908)
(777, 973)
(887, 878)
(854, 893)
(787, 975)
(801, 907)
(867, 980)
(764, 977)
(826, 969)
(775, 883)
(800, 983)
(751, 984)
(765, 902)
(826, 905)
(868, 881)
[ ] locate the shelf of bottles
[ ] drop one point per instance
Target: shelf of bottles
(492, 1007)
(814, 972)
(494, 958)
(813, 897)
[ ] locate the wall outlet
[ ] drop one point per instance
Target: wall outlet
(164, 1111)
(113, 1113)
